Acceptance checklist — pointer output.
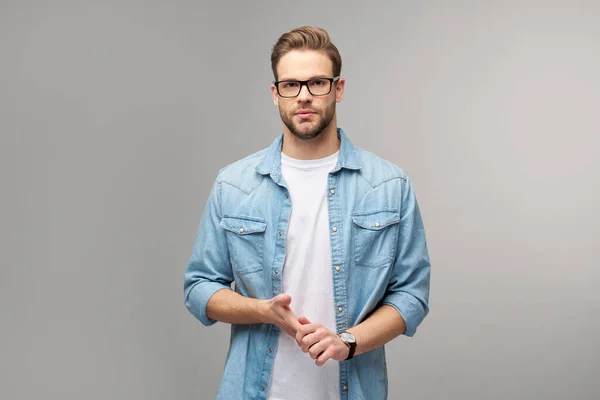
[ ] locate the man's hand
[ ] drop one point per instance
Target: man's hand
(279, 313)
(320, 342)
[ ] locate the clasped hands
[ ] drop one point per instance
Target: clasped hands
(315, 339)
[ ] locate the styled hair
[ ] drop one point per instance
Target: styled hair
(306, 38)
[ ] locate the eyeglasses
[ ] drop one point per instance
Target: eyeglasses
(316, 87)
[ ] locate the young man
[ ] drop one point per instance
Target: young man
(324, 242)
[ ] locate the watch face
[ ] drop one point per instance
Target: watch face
(347, 337)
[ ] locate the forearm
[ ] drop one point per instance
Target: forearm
(231, 307)
(381, 327)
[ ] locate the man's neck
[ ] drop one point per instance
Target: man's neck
(326, 144)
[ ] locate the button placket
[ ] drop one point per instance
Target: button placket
(281, 228)
(335, 219)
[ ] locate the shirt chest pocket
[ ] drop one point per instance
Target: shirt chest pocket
(245, 241)
(375, 236)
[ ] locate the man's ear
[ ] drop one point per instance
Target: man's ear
(275, 95)
(339, 89)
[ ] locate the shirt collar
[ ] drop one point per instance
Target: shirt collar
(271, 162)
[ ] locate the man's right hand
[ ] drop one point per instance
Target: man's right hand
(279, 313)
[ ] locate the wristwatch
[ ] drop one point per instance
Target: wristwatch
(350, 341)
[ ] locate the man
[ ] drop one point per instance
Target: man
(324, 242)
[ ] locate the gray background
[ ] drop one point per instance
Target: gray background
(117, 115)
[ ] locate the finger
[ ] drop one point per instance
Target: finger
(290, 324)
(307, 341)
(318, 348)
(304, 330)
(323, 357)
(309, 328)
(295, 325)
(304, 320)
(310, 340)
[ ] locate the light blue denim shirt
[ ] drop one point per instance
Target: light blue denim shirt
(379, 256)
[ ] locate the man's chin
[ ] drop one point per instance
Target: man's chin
(306, 129)
(305, 134)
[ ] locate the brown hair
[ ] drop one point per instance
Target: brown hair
(306, 38)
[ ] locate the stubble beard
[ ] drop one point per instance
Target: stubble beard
(322, 124)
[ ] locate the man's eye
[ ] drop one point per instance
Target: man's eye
(290, 85)
(318, 82)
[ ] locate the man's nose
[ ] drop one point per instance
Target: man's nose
(304, 94)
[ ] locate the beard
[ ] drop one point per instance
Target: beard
(300, 129)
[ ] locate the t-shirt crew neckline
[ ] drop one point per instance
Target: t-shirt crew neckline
(308, 164)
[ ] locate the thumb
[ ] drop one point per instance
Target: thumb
(285, 299)
(304, 320)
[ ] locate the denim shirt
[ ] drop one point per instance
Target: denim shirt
(379, 256)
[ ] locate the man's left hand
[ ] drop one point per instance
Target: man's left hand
(320, 343)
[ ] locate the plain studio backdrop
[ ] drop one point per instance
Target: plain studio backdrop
(116, 116)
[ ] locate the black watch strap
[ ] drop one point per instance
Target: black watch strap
(352, 347)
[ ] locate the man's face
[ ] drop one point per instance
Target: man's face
(306, 115)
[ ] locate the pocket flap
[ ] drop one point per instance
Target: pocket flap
(376, 220)
(243, 225)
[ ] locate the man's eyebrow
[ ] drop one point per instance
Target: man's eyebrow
(312, 77)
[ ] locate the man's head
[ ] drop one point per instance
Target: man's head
(306, 54)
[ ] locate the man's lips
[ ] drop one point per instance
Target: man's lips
(305, 113)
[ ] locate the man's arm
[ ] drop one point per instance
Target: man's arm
(207, 283)
(322, 344)
(229, 306)
(209, 270)
(405, 304)
(408, 286)
(378, 329)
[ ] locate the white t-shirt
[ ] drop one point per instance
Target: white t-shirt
(307, 278)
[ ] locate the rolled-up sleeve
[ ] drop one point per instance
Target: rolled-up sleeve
(408, 287)
(209, 269)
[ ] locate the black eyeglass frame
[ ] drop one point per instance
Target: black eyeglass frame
(305, 83)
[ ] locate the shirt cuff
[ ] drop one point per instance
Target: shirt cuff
(198, 298)
(409, 308)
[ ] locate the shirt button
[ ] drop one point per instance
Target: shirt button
(287, 195)
(377, 224)
(262, 388)
(334, 229)
(345, 387)
(340, 309)
(337, 268)
(270, 350)
(332, 191)
(275, 272)
(279, 233)
(241, 230)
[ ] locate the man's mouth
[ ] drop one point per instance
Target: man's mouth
(303, 114)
